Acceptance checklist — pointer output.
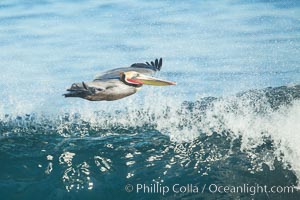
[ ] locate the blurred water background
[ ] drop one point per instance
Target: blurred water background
(233, 117)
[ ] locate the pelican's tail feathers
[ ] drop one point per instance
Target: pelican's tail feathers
(77, 90)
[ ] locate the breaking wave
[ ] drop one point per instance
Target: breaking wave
(262, 124)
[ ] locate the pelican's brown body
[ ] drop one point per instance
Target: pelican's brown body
(118, 83)
(107, 92)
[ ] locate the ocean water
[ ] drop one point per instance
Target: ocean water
(232, 120)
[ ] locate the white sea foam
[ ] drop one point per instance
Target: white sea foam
(250, 120)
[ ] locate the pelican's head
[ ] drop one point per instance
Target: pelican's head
(138, 79)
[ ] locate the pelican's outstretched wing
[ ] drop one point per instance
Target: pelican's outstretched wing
(147, 67)
(143, 68)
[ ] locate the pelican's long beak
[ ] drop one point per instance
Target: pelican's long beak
(148, 80)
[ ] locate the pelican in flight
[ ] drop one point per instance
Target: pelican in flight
(119, 83)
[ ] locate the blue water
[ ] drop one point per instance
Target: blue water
(232, 119)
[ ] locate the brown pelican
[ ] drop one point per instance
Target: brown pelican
(118, 83)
